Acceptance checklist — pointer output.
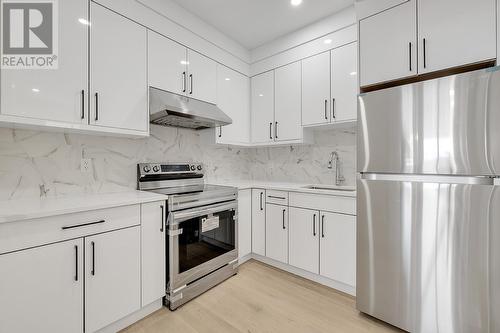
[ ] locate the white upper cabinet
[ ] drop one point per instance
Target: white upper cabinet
(233, 97)
(202, 77)
(262, 103)
(316, 89)
(338, 247)
(57, 94)
(304, 239)
(112, 277)
(167, 64)
(42, 289)
(344, 81)
(118, 71)
(288, 100)
(455, 33)
(387, 45)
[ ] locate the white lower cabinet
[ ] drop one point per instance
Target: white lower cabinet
(112, 277)
(277, 232)
(153, 231)
(41, 289)
(304, 239)
(259, 221)
(244, 223)
(338, 247)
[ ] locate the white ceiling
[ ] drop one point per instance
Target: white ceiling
(253, 23)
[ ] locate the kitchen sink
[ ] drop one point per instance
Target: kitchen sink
(330, 188)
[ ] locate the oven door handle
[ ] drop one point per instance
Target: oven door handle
(181, 216)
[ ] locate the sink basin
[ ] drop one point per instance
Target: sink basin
(330, 188)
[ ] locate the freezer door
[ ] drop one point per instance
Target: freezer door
(445, 126)
(429, 255)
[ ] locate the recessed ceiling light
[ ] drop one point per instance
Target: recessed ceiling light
(261, 95)
(184, 62)
(83, 21)
(295, 2)
(35, 90)
(228, 79)
(327, 41)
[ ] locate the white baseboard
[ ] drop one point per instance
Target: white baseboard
(133, 318)
(245, 258)
(345, 288)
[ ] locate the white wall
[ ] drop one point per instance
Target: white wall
(340, 28)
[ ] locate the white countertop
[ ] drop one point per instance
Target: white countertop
(290, 187)
(32, 208)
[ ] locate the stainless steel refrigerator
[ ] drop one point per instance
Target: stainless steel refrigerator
(428, 209)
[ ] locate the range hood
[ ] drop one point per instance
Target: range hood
(169, 109)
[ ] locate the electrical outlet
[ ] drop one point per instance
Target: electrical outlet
(86, 165)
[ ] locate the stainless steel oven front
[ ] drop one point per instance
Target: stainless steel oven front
(202, 243)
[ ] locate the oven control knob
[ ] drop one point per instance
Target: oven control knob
(199, 167)
(146, 168)
(156, 168)
(193, 167)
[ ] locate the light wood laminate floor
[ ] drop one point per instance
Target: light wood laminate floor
(263, 299)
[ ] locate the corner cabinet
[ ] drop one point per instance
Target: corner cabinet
(118, 71)
(42, 289)
(233, 97)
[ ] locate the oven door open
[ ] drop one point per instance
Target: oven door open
(201, 240)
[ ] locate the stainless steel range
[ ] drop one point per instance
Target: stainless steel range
(202, 248)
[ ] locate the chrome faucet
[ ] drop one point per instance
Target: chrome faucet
(339, 178)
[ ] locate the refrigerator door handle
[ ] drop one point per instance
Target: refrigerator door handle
(444, 179)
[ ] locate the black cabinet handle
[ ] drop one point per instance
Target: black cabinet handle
(409, 47)
(274, 197)
(333, 108)
(425, 53)
(220, 131)
(82, 225)
(323, 226)
(76, 262)
(326, 109)
(83, 105)
(271, 131)
(261, 196)
(96, 106)
(93, 258)
(162, 218)
(314, 225)
(191, 81)
(276, 130)
(184, 84)
(284, 210)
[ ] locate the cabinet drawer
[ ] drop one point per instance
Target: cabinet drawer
(327, 203)
(277, 197)
(30, 233)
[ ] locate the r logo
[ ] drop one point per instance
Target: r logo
(28, 28)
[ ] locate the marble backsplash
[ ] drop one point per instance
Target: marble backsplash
(29, 159)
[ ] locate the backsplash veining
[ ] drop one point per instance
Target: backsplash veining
(30, 159)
